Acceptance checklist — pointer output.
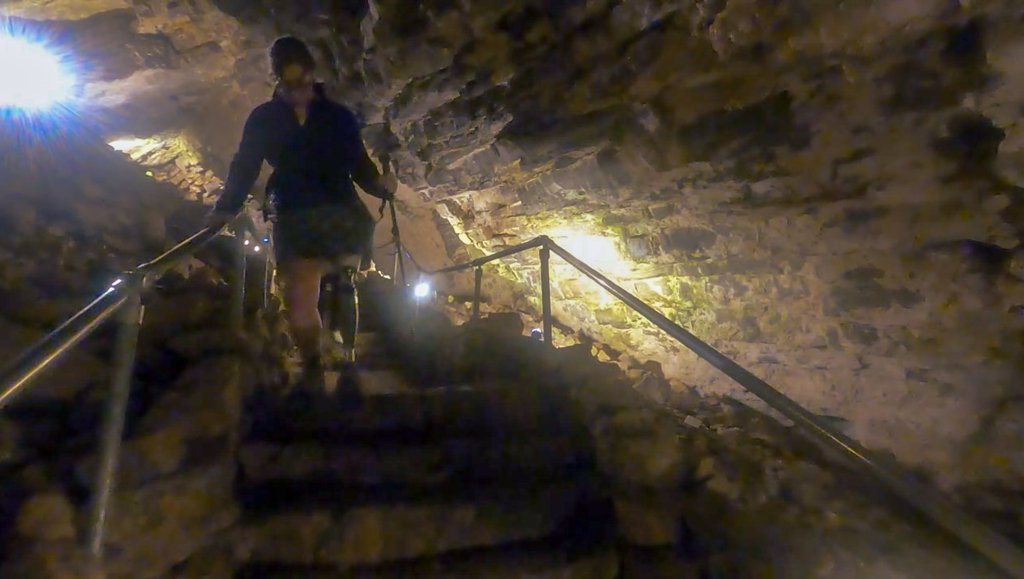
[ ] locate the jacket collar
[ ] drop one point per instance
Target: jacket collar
(319, 89)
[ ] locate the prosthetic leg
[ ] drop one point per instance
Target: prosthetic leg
(344, 313)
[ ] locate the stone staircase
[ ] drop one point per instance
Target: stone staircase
(427, 482)
(475, 453)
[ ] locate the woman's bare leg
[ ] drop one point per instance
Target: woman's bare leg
(301, 279)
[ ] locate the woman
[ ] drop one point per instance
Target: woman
(320, 224)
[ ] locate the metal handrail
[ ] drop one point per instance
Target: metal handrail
(932, 503)
(28, 365)
(123, 300)
(185, 249)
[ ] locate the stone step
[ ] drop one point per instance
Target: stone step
(373, 352)
(488, 411)
(542, 561)
(639, 563)
(372, 533)
(277, 496)
(428, 464)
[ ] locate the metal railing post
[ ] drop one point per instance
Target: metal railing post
(129, 322)
(238, 287)
(266, 280)
(478, 280)
(394, 271)
(545, 291)
(399, 258)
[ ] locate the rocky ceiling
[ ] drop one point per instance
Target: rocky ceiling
(827, 191)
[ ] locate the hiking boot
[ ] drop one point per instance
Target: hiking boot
(348, 356)
(346, 389)
(312, 376)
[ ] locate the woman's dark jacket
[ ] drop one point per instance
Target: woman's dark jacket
(314, 164)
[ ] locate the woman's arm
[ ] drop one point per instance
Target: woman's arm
(365, 175)
(364, 171)
(245, 167)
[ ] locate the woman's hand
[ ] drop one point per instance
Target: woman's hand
(218, 219)
(388, 185)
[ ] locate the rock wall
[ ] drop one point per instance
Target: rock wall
(701, 486)
(827, 195)
(76, 213)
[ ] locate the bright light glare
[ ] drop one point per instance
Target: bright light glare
(598, 251)
(32, 77)
(421, 290)
(247, 242)
(257, 249)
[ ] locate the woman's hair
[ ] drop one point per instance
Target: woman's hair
(290, 50)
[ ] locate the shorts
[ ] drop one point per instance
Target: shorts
(326, 232)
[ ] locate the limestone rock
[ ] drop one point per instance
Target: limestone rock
(63, 380)
(144, 458)
(541, 565)
(373, 534)
(424, 465)
(162, 524)
(204, 402)
(50, 560)
(214, 562)
(507, 324)
(10, 442)
(640, 448)
(717, 479)
(199, 343)
(649, 521)
(47, 517)
(660, 564)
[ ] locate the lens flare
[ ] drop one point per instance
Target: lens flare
(31, 77)
(421, 290)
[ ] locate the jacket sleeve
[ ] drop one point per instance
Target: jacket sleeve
(365, 174)
(364, 171)
(246, 165)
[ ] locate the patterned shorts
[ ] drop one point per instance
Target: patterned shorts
(325, 232)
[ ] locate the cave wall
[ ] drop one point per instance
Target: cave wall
(828, 193)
